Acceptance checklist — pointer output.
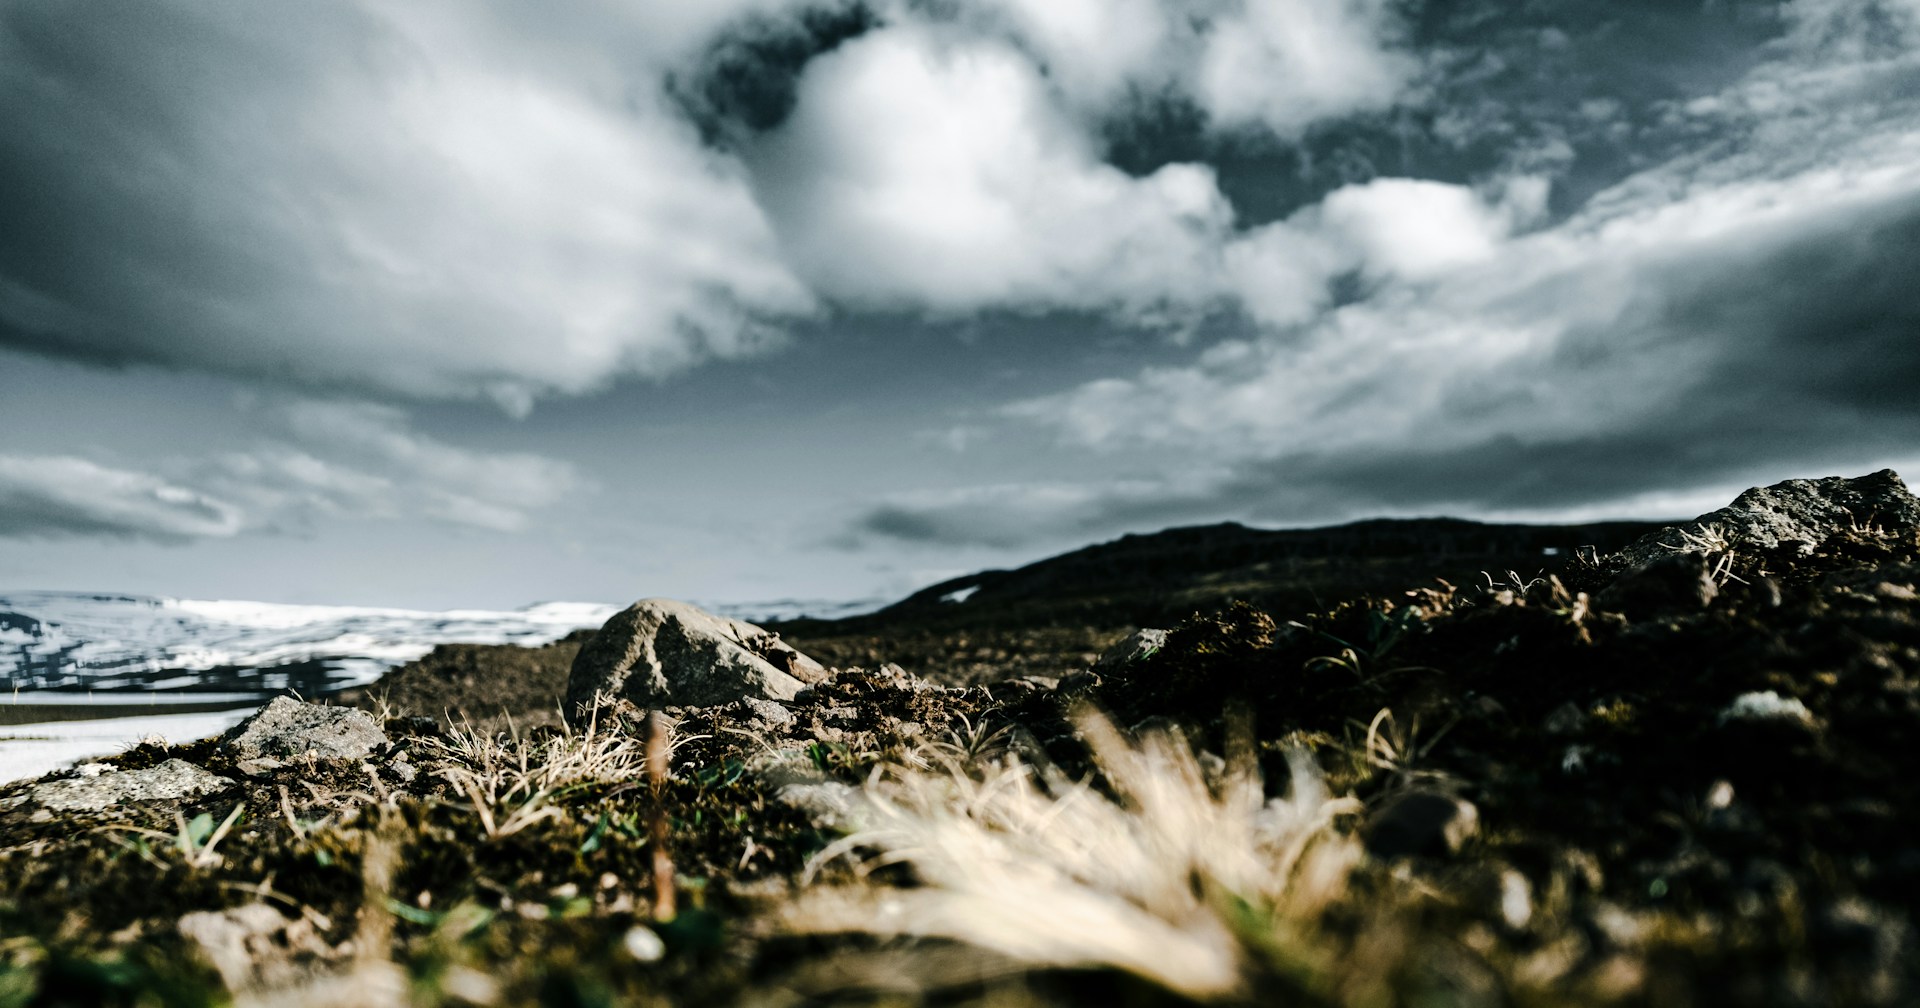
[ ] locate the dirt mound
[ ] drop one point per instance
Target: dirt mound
(487, 684)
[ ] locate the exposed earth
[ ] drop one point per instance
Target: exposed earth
(1650, 767)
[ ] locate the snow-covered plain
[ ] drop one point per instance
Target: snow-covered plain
(71, 641)
(35, 749)
(118, 651)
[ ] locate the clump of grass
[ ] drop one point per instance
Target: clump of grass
(512, 781)
(1200, 885)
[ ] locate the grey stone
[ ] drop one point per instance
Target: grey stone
(1421, 823)
(254, 947)
(1019, 690)
(1566, 719)
(1674, 582)
(659, 652)
(287, 730)
(828, 804)
(1800, 514)
(170, 781)
(762, 712)
(1140, 644)
(1767, 706)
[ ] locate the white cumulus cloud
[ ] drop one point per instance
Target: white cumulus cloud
(923, 169)
(409, 199)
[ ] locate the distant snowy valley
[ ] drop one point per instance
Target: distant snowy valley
(136, 663)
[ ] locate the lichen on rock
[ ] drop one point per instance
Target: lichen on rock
(172, 780)
(287, 729)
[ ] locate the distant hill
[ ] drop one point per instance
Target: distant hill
(1164, 576)
(1054, 616)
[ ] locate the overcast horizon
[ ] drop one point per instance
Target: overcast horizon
(476, 305)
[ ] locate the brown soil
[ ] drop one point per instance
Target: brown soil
(1672, 847)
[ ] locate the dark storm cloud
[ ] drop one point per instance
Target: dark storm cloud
(104, 116)
(1572, 87)
(1801, 357)
(746, 81)
(1017, 516)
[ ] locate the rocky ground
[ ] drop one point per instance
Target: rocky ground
(1676, 773)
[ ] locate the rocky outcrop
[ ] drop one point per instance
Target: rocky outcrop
(660, 653)
(1138, 646)
(287, 730)
(1801, 515)
(101, 787)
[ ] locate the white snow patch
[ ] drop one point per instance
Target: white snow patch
(31, 750)
(83, 639)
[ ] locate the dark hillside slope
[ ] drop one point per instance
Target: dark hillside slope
(1046, 617)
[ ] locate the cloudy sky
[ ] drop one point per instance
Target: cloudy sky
(444, 304)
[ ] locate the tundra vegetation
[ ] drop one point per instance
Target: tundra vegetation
(1665, 771)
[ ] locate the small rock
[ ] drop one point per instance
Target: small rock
(1139, 645)
(1675, 582)
(643, 944)
(413, 725)
(170, 781)
(1023, 688)
(1516, 899)
(1566, 719)
(828, 803)
(1767, 706)
(253, 946)
(1421, 823)
(1077, 684)
(761, 713)
(287, 730)
(403, 770)
(1871, 942)
(659, 652)
(1487, 708)
(1574, 759)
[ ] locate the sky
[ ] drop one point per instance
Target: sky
(446, 304)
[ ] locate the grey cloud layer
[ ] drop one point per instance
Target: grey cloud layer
(1586, 251)
(1739, 310)
(441, 200)
(373, 197)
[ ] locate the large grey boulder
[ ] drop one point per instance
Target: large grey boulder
(287, 730)
(663, 653)
(173, 780)
(1799, 514)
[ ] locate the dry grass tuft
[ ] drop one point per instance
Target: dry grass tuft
(1191, 883)
(511, 781)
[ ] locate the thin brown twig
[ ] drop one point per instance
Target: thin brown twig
(658, 747)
